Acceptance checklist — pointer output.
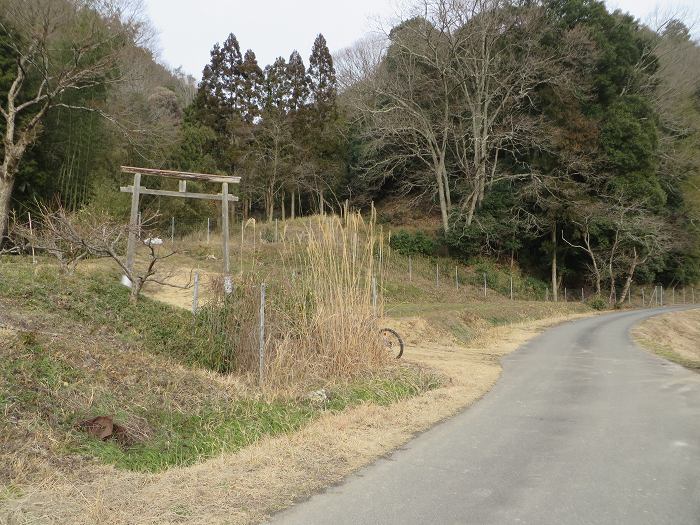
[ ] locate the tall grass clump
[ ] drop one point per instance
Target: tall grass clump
(320, 320)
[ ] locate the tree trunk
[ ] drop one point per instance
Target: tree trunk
(555, 284)
(628, 281)
(6, 185)
(440, 179)
(136, 286)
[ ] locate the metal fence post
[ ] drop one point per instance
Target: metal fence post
(195, 293)
(511, 287)
(31, 237)
(261, 348)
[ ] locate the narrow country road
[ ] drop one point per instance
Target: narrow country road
(582, 428)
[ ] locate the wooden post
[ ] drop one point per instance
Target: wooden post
(228, 284)
(224, 225)
(31, 237)
(261, 347)
(195, 293)
(134, 223)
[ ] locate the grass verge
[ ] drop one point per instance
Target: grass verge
(673, 336)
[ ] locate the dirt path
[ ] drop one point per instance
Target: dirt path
(248, 486)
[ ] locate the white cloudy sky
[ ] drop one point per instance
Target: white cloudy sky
(189, 28)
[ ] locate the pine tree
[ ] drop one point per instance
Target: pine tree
(277, 86)
(225, 99)
(322, 81)
(252, 83)
(298, 82)
(217, 99)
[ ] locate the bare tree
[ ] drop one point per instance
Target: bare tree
(73, 237)
(61, 46)
(452, 91)
(407, 107)
(270, 154)
(619, 236)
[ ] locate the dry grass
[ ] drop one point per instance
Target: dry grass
(247, 486)
(675, 336)
(319, 320)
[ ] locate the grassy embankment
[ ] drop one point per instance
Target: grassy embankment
(73, 347)
(77, 348)
(674, 336)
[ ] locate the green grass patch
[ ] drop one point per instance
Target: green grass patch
(182, 439)
(98, 302)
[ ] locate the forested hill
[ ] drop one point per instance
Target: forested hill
(554, 133)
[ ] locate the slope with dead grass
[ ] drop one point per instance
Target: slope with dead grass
(74, 347)
(272, 474)
(674, 336)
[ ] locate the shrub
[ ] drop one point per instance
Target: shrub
(598, 303)
(407, 243)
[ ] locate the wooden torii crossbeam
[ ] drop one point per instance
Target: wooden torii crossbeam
(183, 176)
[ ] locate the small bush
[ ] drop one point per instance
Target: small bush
(598, 303)
(407, 243)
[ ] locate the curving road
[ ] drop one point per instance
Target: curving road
(582, 428)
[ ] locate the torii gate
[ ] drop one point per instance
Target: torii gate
(183, 176)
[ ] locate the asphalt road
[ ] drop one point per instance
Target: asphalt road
(582, 428)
